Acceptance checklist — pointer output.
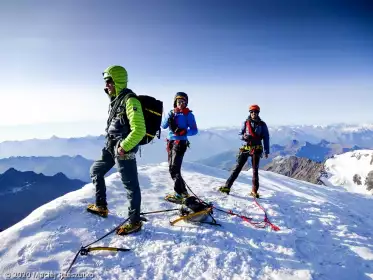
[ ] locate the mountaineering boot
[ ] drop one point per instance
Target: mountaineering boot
(129, 228)
(98, 210)
(176, 198)
(225, 189)
(255, 195)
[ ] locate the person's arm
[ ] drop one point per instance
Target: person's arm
(165, 122)
(192, 125)
(136, 121)
(266, 138)
(242, 131)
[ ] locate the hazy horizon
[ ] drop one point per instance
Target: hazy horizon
(97, 128)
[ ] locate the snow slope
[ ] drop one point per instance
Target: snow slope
(342, 168)
(325, 232)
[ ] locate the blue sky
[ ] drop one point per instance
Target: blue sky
(303, 62)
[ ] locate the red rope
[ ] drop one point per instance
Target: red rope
(266, 221)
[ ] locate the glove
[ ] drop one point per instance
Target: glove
(266, 155)
(180, 132)
(171, 124)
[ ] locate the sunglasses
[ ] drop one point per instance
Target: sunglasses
(179, 100)
(256, 112)
(109, 80)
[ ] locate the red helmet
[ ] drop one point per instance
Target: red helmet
(254, 107)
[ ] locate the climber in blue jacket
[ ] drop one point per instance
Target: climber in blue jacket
(181, 124)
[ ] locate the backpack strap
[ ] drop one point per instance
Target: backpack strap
(129, 95)
(123, 95)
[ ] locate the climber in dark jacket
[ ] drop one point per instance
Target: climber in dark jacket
(254, 131)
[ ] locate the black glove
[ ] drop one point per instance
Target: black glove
(172, 124)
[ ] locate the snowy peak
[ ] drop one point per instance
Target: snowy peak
(344, 134)
(357, 128)
(353, 170)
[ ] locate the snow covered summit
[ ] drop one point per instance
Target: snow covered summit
(352, 170)
(325, 232)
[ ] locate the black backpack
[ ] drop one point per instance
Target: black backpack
(192, 205)
(152, 110)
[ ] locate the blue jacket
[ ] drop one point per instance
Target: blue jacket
(183, 121)
(259, 128)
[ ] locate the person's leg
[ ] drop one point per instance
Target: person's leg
(178, 152)
(170, 156)
(97, 172)
(127, 167)
(241, 160)
(255, 160)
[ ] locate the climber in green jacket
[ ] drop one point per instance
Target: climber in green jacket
(125, 129)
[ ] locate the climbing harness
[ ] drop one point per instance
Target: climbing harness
(251, 149)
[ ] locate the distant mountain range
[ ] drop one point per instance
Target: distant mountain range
(22, 192)
(76, 167)
(90, 147)
(208, 143)
(343, 134)
(316, 152)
